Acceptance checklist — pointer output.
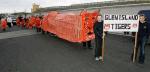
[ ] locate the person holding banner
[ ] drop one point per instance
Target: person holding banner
(98, 31)
(143, 33)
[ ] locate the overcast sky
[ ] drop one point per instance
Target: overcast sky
(10, 6)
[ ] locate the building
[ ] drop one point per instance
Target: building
(108, 7)
(131, 0)
(22, 14)
(35, 7)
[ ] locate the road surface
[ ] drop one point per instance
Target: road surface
(28, 51)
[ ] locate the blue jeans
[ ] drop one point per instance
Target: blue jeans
(141, 44)
(98, 46)
(147, 39)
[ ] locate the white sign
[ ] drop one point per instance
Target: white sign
(120, 23)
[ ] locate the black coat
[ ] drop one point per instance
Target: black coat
(143, 30)
(98, 29)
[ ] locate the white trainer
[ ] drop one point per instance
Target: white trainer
(97, 59)
(100, 58)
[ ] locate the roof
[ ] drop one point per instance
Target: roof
(88, 5)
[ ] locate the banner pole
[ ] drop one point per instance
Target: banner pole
(103, 47)
(134, 49)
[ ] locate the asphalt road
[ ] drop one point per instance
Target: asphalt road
(44, 53)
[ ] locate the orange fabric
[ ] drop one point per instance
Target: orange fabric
(3, 24)
(38, 22)
(32, 22)
(18, 21)
(69, 26)
(22, 23)
(44, 23)
(33, 19)
(88, 20)
(83, 15)
(27, 23)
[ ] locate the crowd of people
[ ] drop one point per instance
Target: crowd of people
(36, 21)
(28, 22)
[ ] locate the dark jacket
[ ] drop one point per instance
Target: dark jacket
(143, 30)
(98, 29)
